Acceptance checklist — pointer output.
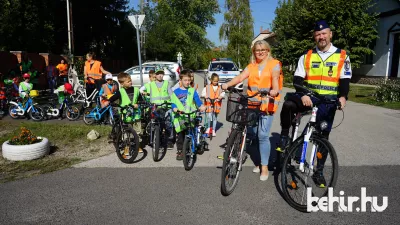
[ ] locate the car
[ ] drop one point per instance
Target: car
(226, 70)
(135, 74)
(173, 66)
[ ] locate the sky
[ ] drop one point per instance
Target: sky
(263, 12)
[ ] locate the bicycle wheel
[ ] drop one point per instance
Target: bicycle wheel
(295, 183)
(155, 147)
(88, 117)
(36, 113)
(47, 111)
(12, 111)
(127, 145)
(231, 163)
(189, 156)
(72, 113)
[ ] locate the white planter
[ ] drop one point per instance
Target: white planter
(26, 152)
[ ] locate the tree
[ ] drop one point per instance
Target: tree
(353, 26)
(180, 26)
(238, 30)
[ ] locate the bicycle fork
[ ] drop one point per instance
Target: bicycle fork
(305, 145)
(242, 146)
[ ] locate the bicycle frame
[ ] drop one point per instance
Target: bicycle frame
(27, 107)
(82, 97)
(97, 113)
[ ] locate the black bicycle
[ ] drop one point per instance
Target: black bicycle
(242, 113)
(125, 138)
(309, 162)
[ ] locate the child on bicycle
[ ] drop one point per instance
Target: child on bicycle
(107, 90)
(62, 92)
(184, 99)
(213, 91)
(129, 95)
(25, 87)
(152, 77)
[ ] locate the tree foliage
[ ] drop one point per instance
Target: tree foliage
(353, 26)
(238, 30)
(179, 26)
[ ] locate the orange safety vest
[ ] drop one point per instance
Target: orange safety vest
(94, 72)
(263, 82)
(63, 69)
(2, 92)
(210, 93)
(107, 91)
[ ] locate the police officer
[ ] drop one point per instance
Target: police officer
(325, 70)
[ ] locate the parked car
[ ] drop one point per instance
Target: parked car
(135, 74)
(173, 66)
(226, 70)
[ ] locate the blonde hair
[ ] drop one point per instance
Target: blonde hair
(260, 42)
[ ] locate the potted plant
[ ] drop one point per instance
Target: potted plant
(25, 146)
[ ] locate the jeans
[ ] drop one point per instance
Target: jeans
(263, 130)
(213, 117)
(52, 84)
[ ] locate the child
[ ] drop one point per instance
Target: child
(62, 92)
(213, 91)
(178, 85)
(25, 87)
(129, 95)
(159, 89)
(152, 77)
(182, 97)
(107, 90)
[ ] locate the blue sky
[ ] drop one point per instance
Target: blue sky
(263, 12)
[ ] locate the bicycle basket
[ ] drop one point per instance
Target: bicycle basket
(242, 111)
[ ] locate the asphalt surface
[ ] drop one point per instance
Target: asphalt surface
(106, 191)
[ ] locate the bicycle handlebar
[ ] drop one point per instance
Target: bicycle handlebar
(321, 98)
(262, 93)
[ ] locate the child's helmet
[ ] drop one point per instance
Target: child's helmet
(68, 88)
(26, 76)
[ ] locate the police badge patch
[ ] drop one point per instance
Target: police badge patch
(347, 65)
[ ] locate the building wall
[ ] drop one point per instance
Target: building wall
(379, 63)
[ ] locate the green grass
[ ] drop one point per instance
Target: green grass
(363, 94)
(69, 146)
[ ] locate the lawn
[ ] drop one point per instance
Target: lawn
(68, 146)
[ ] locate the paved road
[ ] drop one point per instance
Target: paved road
(105, 191)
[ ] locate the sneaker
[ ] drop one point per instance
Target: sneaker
(214, 134)
(282, 144)
(140, 150)
(60, 118)
(179, 155)
(319, 180)
(256, 169)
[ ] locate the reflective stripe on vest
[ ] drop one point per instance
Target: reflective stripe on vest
(179, 120)
(95, 71)
(213, 95)
(262, 81)
(159, 96)
(125, 100)
(323, 76)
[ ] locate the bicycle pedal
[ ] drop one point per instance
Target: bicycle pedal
(220, 157)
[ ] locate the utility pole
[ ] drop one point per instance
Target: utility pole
(142, 34)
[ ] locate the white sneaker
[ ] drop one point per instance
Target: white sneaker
(263, 178)
(214, 134)
(256, 169)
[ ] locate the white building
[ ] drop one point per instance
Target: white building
(385, 62)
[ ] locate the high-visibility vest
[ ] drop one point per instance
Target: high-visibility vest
(323, 76)
(109, 91)
(127, 100)
(26, 87)
(63, 69)
(180, 120)
(94, 72)
(262, 81)
(210, 93)
(2, 92)
(159, 96)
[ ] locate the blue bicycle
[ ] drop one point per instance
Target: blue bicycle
(98, 114)
(195, 139)
(18, 109)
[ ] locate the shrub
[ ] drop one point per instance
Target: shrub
(26, 137)
(388, 91)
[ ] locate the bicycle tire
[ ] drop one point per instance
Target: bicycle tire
(156, 143)
(46, 109)
(37, 115)
(127, 134)
(72, 113)
(210, 131)
(188, 156)
(12, 111)
(232, 149)
(297, 146)
(88, 120)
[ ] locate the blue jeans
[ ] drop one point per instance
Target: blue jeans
(213, 117)
(263, 131)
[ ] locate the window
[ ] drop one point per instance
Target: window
(223, 66)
